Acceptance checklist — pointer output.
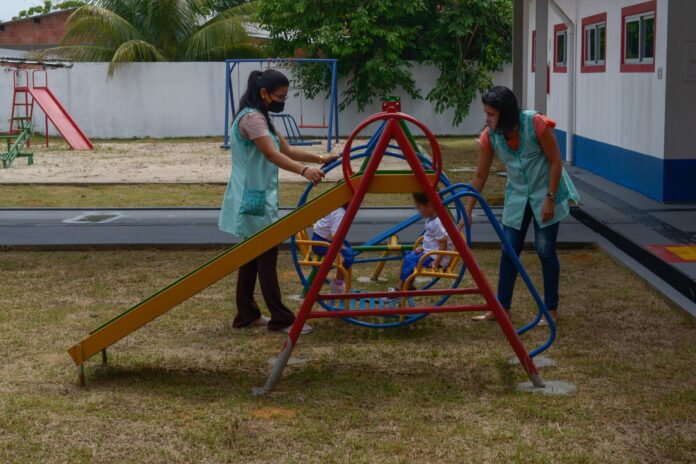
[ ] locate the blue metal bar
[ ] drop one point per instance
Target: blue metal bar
(332, 104)
(543, 310)
(228, 85)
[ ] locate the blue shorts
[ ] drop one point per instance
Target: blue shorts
(346, 251)
(411, 262)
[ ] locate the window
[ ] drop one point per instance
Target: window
(534, 51)
(560, 48)
(594, 43)
(638, 38)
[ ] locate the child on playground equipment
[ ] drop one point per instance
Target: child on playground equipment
(434, 238)
(324, 231)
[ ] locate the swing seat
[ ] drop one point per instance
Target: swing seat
(449, 272)
(310, 259)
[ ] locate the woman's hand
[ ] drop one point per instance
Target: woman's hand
(461, 224)
(328, 159)
(314, 175)
(548, 210)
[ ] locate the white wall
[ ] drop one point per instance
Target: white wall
(188, 99)
(621, 109)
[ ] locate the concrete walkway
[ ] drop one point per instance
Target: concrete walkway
(662, 237)
(198, 226)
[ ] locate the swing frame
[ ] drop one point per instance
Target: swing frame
(331, 65)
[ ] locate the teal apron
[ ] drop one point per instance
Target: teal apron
(251, 198)
(528, 172)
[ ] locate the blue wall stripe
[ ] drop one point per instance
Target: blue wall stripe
(626, 167)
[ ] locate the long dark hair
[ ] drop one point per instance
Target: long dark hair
(503, 99)
(270, 80)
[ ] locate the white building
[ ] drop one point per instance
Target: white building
(619, 77)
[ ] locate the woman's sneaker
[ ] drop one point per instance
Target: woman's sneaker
(306, 329)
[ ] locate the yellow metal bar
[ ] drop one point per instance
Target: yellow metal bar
(232, 259)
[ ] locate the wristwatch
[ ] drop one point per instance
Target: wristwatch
(321, 159)
(551, 196)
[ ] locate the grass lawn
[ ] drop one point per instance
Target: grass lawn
(439, 391)
(459, 154)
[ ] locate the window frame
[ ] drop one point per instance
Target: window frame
(638, 11)
(558, 30)
(534, 51)
(592, 22)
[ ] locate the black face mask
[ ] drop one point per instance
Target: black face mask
(276, 107)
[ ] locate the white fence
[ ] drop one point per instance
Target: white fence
(188, 100)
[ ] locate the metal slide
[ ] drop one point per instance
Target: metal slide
(60, 118)
(229, 261)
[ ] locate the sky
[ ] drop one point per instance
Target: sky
(10, 8)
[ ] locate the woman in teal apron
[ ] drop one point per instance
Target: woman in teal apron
(251, 199)
(538, 188)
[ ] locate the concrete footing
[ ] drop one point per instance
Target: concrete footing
(551, 387)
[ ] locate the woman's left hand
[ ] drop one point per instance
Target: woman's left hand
(548, 210)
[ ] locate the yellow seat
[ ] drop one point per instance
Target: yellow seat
(310, 259)
(449, 272)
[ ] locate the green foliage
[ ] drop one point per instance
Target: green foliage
(376, 42)
(218, 6)
(48, 7)
(125, 31)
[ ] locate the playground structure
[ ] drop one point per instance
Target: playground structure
(17, 143)
(422, 177)
(291, 128)
(27, 92)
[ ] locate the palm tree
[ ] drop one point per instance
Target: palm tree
(126, 31)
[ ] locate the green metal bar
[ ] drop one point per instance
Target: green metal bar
(381, 248)
(403, 125)
(310, 279)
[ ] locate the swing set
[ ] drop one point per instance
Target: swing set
(292, 129)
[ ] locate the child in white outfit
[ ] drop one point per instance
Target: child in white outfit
(324, 231)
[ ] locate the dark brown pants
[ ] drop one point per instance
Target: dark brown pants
(264, 266)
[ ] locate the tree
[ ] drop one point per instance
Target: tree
(376, 42)
(218, 6)
(47, 7)
(126, 31)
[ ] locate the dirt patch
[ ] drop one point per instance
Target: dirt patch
(202, 162)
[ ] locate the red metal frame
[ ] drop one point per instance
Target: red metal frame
(630, 11)
(393, 130)
(591, 21)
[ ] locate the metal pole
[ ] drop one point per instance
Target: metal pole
(331, 108)
(226, 140)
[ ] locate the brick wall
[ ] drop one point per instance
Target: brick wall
(28, 34)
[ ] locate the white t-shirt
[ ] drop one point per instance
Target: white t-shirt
(327, 226)
(434, 233)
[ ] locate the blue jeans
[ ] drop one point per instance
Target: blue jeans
(411, 261)
(545, 244)
(346, 251)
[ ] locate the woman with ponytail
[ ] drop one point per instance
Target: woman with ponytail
(251, 200)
